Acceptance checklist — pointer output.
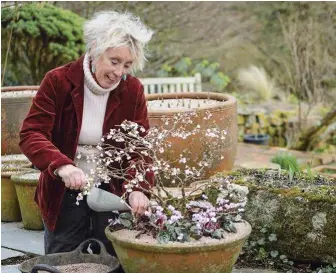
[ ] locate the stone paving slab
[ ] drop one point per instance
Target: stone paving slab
(13, 236)
(8, 253)
(14, 269)
(10, 269)
(263, 154)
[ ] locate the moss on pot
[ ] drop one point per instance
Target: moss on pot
(10, 210)
(25, 185)
(301, 211)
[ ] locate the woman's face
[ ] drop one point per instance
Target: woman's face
(112, 65)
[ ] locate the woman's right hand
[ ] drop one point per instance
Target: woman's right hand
(73, 177)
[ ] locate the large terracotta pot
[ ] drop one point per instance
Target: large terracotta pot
(148, 256)
(25, 186)
(224, 115)
(10, 210)
(15, 104)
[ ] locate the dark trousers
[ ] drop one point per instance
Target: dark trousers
(75, 224)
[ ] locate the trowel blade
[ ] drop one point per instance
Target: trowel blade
(101, 201)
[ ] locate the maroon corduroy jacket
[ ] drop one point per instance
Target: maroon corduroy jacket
(49, 134)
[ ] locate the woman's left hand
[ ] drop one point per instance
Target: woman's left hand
(138, 202)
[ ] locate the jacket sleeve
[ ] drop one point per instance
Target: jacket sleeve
(141, 117)
(35, 134)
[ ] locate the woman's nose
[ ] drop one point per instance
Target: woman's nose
(118, 71)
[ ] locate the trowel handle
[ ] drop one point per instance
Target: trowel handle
(44, 267)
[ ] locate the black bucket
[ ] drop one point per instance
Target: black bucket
(47, 262)
(258, 139)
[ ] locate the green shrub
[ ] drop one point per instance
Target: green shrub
(187, 67)
(41, 37)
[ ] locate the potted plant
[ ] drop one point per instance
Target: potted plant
(196, 231)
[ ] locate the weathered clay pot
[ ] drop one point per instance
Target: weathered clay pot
(19, 160)
(15, 104)
(10, 210)
(148, 256)
(223, 109)
(25, 186)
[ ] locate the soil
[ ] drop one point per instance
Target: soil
(181, 104)
(130, 236)
(82, 268)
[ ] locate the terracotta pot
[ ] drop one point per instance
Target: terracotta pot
(25, 186)
(10, 210)
(15, 104)
(19, 160)
(148, 256)
(224, 115)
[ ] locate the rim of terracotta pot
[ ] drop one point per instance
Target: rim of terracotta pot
(16, 163)
(14, 157)
(20, 88)
(8, 172)
(243, 231)
(31, 178)
(228, 101)
(15, 160)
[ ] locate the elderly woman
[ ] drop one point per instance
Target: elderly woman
(76, 105)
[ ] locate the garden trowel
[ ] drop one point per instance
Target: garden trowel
(101, 200)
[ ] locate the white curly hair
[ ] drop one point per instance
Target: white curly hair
(110, 29)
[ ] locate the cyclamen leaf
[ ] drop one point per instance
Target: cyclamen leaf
(163, 237)
(232, 228)
(238, 218)
(178, 230)
(272, 237)
(196, 236)
(126, 215)
(194, 229)
(217, 234)
(126, 223)
(274, 253)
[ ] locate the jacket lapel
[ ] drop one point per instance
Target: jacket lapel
(76, 76)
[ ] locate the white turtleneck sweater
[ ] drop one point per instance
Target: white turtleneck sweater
(95, 101)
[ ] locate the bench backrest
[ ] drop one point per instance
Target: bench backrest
(172, 84)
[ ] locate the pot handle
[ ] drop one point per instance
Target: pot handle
(44, 267)
(86, 243)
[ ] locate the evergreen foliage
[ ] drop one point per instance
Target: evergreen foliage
(40, 37)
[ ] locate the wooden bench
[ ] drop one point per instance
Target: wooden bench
(172, 84)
